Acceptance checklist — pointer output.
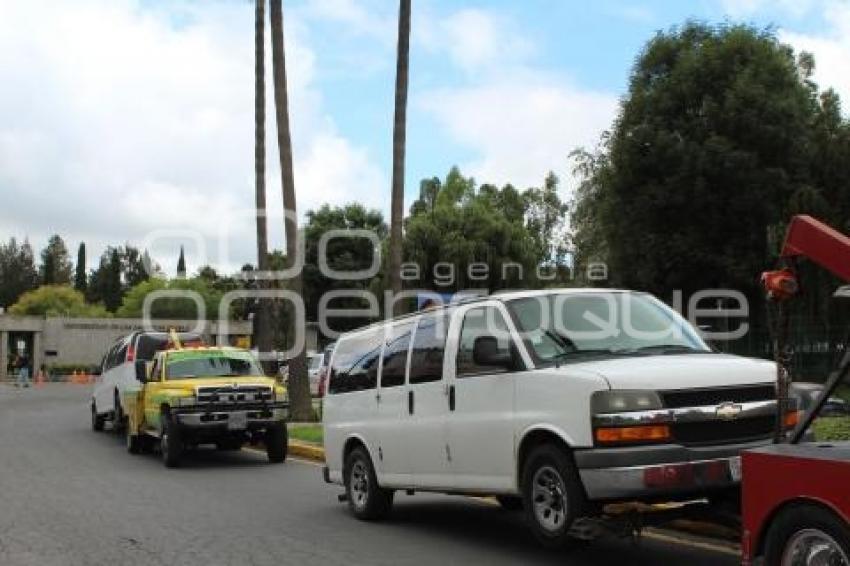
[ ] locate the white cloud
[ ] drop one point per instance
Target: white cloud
(522, 126)
(746, 8)
(830, 48)
(519, 120)
(118, 119)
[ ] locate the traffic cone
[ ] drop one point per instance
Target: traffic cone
(75, 377)
(39, 379)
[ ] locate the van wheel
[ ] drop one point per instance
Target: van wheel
(807, 535)
(552, 495)
(170, 443)
(509, 502)
(119, 417)
(96, 420)
(277, 440)
(366, 499)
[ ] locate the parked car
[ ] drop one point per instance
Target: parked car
(190, 397)
(314, 366)
(553, 401)
(324, 370)
(117, 372)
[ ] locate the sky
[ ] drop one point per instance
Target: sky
(132, 120)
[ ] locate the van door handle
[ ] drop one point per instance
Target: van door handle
(451, 397)
(410, 402)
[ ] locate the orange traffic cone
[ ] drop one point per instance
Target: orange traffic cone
(39, 379)
(75, 377)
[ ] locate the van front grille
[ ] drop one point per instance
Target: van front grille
(716, 396)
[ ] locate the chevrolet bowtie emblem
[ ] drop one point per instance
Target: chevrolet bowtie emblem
(728, 411)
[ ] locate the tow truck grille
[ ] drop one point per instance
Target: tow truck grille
(229, 394)
(716, 396)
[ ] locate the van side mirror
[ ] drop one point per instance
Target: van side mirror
(141, 371)
(486, 352)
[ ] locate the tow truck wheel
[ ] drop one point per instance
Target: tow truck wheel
(96, 420)
(170, 443)
(807, 536)
(277, 443)
(367, 500)
(134, 443)
(552, 495)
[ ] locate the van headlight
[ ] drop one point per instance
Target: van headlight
(624, 401)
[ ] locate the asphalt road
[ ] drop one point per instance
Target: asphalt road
(69, 496)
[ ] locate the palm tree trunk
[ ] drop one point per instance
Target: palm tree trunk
(399, 137)
(299, 388)
(262, 318)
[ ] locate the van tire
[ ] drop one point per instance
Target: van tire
(366, 499)
(118, 419)
(795, 520)
(553, 496)
(277, 443)
(96, 420)
(170, 442)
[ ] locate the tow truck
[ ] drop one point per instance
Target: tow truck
(205, 395)
(796, 493)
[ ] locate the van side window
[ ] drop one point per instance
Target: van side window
(485, 323)
(121, 354)
(429, 344)
(395, 356)
(356, 363)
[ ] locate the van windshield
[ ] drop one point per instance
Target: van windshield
(571, 326)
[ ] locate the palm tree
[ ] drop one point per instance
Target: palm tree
(262, 318)
(399, 137)
(299, 389)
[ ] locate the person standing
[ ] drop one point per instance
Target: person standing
(23, 371)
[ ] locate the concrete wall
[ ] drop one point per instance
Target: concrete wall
(84, 341)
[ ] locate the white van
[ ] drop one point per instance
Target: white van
(554, 401)
(118, 372)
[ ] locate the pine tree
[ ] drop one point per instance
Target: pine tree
(80, 279)
(181, 264)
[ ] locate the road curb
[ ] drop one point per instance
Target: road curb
(306, 450)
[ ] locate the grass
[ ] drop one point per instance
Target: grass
(307, 433)
(831, 429)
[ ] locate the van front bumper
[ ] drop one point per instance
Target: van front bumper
(660, 472)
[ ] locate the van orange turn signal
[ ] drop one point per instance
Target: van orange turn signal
(792, 418)
(619, 435)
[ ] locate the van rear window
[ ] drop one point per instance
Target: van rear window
(355, 363)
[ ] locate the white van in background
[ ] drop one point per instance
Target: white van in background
(553, 401)
(118, 372)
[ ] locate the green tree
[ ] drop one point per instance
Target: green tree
(56, 300)
(399, 146)
(80, 279)
(105, 282)
(135, 265)
(455, 223)
(18, 273)
(299, 389)
(55, 263)
(711, 141)
(342, 254)
(171, 307)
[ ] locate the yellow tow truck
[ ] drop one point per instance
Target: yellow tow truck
(205, 395)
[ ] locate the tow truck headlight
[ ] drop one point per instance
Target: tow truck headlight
(624, 401)
(281, 395)
(186, 401)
